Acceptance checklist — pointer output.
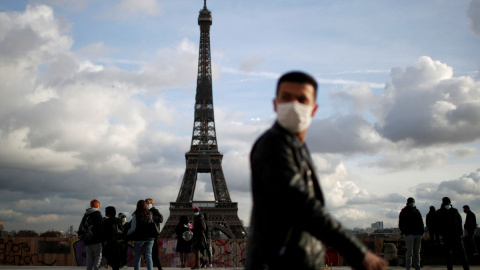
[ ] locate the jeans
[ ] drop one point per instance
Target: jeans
(413, 244)
(454, 244)
(137, 250)
(94, 256)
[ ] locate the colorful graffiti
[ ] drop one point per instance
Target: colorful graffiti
(79, 251)
(229, 253)
(226, 253)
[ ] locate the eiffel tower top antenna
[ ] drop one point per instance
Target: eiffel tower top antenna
(204, 4)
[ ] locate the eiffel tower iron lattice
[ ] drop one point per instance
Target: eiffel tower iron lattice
(204, 156)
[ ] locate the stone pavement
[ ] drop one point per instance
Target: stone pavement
(3, 267)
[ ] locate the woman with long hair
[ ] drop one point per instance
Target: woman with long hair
(142, 232)
(184, 247)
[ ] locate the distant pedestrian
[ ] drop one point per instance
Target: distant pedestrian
(470, 228)
(143, 233)
(113, 230)
(123, 218)
(208, 235)
(94, 221)
(432, 225)
(124, 254)
(184, 245)
(198, 241)
(157, 218)
(411, 227)
(450, 228)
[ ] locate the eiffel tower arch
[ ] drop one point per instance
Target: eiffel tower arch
(204, 156)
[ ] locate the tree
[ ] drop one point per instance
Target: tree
(26, 233)
(51, 233)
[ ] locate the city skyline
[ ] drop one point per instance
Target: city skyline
(98, 97)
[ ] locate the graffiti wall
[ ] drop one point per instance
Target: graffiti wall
(35, 251)
(71, 252)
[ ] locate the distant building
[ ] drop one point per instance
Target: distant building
(377, 225)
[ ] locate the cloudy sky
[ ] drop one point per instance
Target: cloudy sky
(96, 101)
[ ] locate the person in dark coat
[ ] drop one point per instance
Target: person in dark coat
(124, 244)
(283, 173)
(184, 247)
(94, 246)
(410, 222)
(432, 225)
(143, 234)
(198, 240)
(157, 218)
(470, 227)
(113, 230)
(450, 228)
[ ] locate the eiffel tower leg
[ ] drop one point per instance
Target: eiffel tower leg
(219, 185)
(187, 189)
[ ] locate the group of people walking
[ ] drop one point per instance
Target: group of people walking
(445, 222)
(196, 238)
(108, 236)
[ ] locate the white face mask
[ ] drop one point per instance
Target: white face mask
(448, 206)
(294, 117)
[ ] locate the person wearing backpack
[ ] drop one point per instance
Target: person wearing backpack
(142, 231)
(91, 232)
(113, 230)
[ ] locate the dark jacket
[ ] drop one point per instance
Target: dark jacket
(157, 217)
(450, 223)
(142, 228)
(199, 227)
(470, 222)
(410, 221)
(431, 222)
(97, 222)
(112, 249)
(290, 225)
(209, 230)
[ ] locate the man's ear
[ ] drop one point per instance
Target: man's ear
(275, 104)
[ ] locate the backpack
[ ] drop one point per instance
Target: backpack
(85, 230)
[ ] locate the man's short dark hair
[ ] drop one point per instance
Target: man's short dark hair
(466, 207)
(298, 77)
(110, 211)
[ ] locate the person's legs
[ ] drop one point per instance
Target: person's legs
(417, 245)
(460, 252)
(89, 254)
(155, 259)
(97, 255)
(137, 250)
(209, 251)
(148, 254)
(196, 252)
(409, 241)
(449, 252)
(471, 242)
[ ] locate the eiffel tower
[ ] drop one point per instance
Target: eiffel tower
(204, 156)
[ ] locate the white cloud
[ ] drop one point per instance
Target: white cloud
(427, 105)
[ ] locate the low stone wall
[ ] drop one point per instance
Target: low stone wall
(40, 251)
(71, 252)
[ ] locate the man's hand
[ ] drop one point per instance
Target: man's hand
(373, 262)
